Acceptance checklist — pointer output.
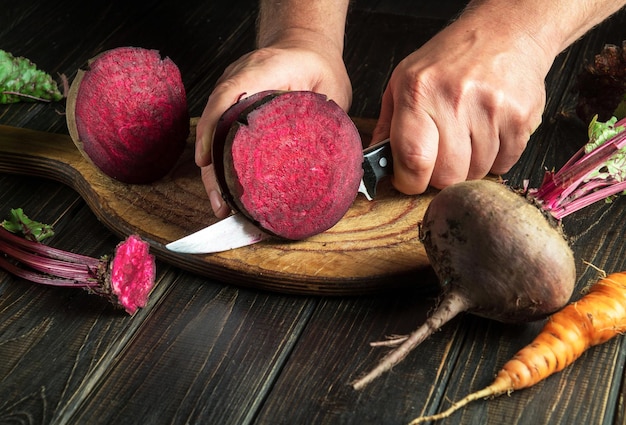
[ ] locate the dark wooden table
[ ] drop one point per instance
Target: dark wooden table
(209, 353)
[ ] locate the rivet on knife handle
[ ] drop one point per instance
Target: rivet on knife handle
(377, 163)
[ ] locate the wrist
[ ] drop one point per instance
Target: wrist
(302, 21)
(300, 37)
(506, 28)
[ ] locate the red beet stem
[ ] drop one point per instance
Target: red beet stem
(45, 250)
(37, 277)
(592, 174)
(125, 281)
(81, 273)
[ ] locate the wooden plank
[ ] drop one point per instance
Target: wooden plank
(375, 44)
(57, 344)
(53, 339)
(208, 355)
(333, 351)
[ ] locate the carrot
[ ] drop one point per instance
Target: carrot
(596, 318)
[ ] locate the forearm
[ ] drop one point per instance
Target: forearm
(553, 25)
(279, 19)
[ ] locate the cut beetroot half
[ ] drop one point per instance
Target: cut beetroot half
(127, 114)
(292, 163)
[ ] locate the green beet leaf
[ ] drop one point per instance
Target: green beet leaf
(20, 80)
(21, 224)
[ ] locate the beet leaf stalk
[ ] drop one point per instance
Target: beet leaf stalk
(596, 172)
(125, 279)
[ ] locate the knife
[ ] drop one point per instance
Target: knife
(236, 231)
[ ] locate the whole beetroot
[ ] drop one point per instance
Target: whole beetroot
(291, 161)
(495, 255)
(500, 253)
(127, 113)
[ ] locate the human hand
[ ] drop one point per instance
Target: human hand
(463, 105)
(294, 64)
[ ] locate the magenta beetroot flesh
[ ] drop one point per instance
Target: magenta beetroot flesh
(128, 114)
(222, 129)
(293, 163)
(133, 272)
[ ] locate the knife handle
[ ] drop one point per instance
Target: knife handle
(377, 163)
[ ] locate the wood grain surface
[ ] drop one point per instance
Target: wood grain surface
(204, 351)
(375, 246)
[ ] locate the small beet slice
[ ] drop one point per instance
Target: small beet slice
(293, 163)
(127, 113)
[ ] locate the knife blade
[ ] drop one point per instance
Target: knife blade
(236, 231)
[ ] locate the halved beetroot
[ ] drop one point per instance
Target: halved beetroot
(292, 162)
(127, 113)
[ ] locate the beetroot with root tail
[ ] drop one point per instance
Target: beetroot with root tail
(500, 253)
(127, 113)
(291, 162)
(495, 254)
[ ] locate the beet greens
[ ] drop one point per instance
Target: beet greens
(596, 172)
(20, 80)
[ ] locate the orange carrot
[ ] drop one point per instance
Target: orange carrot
(596, 318)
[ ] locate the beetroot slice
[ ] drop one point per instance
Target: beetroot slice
(293, 163)
(127, 113)
(132, 273)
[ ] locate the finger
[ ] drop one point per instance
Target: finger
(485, 147)
(511, 148)
(454, 154)
(513, 141)
(224, 96)
(219, 207)
(414, 144)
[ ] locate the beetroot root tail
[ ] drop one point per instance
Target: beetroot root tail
(451, 305)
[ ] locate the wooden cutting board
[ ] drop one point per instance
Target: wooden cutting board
(375, 247)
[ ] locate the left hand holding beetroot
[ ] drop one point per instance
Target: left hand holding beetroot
(295, 64)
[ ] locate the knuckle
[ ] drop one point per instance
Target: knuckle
(419, 86)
